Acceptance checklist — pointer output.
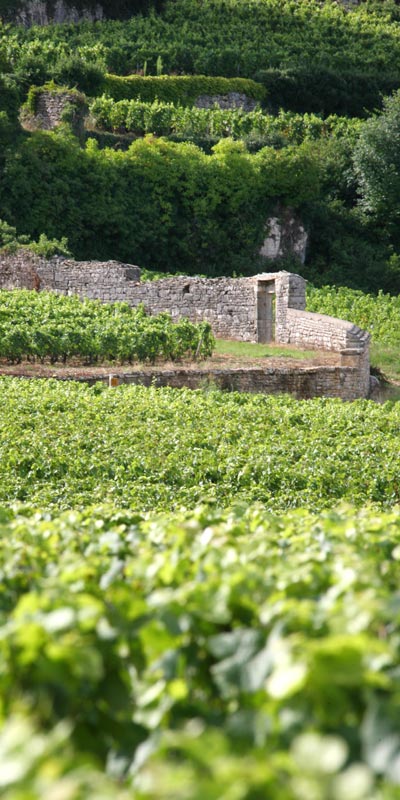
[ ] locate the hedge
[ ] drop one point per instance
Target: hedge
(182, 89)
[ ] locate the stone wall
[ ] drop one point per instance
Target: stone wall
(229, 100)
(301, 382)
(236, 309)
(306, 329)
(321, 332)
(51, 108)
(100, 280)
(229, 306)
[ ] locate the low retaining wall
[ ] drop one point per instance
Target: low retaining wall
(231, 100)
(303, 383)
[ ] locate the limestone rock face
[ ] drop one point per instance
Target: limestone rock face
(286, 236)
(39, 12)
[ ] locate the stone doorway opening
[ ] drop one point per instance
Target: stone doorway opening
(265, 311)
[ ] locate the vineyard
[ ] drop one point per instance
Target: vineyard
(51, 327)
(287, 671)
(163, 449)
(167, 119)
(199, 590)
(379, 314)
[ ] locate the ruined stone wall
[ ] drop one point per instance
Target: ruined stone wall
(99, 280)
(50, 112)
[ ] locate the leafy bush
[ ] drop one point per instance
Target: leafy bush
(345, 248)
(48, 326)
(268, 642)
(73, 70)
(10, 242)
(328, 91)
(377, 163)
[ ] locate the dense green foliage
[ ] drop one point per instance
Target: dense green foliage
(11, 241)
(379, 314)
(182, 89)
(49, 326)
(175, 215)
(280, 682)
(164, 448)
(166, 119)
(161, 205)
(377, 163)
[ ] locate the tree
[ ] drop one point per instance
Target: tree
(377, 163)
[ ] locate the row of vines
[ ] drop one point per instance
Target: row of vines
(50, 327)
(166, 119)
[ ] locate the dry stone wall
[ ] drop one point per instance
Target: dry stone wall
(51, 108)
(226, 101)
(301, 382)
(322, 332)
(229, 306)
(98, 280)
(234, 307)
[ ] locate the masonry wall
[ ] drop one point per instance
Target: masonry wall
(320, 332)
(107, 281)
(302, 383)
(50, 109)
(231, 307)
(305, 328)
(229, 100)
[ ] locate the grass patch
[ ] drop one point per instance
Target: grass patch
(386, 359)
(250, 350)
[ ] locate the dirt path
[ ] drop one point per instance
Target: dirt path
(79, 371)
